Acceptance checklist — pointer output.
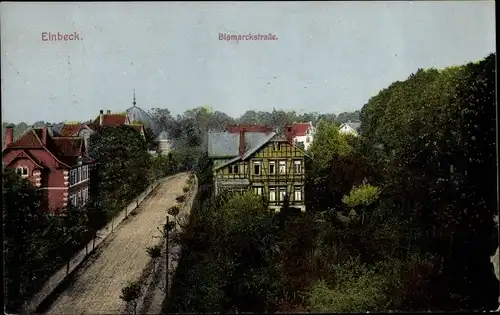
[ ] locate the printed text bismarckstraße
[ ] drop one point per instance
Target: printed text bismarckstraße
(230, 37)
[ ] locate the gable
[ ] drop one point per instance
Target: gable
(21, 154)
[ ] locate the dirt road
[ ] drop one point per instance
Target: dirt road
(97, 285)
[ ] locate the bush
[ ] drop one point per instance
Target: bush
(180, 198)
(154, 251)
(174, 211)
(358, 288)
(131, 293)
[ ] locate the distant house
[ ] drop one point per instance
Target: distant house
(59, 166)
(258, 161)
(84, 130)
(113, 119)
(350, 128)
(303, 133)
(164, 143)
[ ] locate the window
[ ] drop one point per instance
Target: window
(282, 165)
(79, 198)
(277, 146)
(73, 200)
(256, 168)
(282, 193)
(233, 169)
(308, 140)
(236, 169)
(78, 174)
(272, 167)
(298, 166)
(298, 193)
(258, 190)
(84, 173)
(230, 169)
(272, 194)
(23, 171)
(72, 177)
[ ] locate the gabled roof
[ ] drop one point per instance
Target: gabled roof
(226, 144)
(66, 150)
(69, 130)
(24, 154)
(353, 125)
(300, 129)
(251, 151)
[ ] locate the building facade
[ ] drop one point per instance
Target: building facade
(270, 166)
(59, 166)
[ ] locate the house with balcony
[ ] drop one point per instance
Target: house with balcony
(57, 165)
(258, 160)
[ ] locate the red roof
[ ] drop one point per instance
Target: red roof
(69, 130)
(300, 129)
(65, 149)
(111, 120)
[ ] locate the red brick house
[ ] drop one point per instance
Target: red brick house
(59, 166)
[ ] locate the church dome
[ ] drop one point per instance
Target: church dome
(138, 115)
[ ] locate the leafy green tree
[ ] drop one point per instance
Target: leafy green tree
(23, 220)
(122, 165)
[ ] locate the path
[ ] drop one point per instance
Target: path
(97, 285)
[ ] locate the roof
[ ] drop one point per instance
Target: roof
(251, 150)
(226, 144)
(300, 129)
(354, 125)
(66, 150)
(136, 114)
(69, 130)
(222, 144)
(111, 120)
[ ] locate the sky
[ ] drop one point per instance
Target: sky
(328, 56)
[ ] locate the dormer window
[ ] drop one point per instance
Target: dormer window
(22, 171)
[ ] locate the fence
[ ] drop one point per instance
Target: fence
(59, 276)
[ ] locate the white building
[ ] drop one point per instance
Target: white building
(164, 143)
(303, 133)
(350, 128)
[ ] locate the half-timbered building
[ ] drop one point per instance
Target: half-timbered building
(271, 166)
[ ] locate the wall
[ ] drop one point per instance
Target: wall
(59, 276)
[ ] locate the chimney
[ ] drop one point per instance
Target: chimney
(101, 114)
(242, 142)
(108, 112)
(289, 134)
(44, 135)
(9, 135)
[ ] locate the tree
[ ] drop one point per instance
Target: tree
(23, 220)
(122, 165)
(131, 293)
